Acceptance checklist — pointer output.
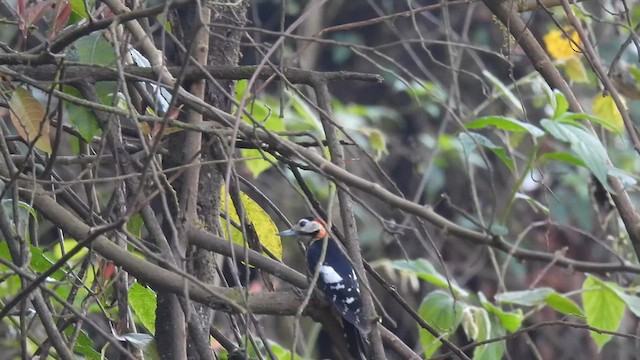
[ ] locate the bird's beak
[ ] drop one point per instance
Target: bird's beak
(290, 232)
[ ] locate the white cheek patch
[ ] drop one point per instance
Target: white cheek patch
(329, 275)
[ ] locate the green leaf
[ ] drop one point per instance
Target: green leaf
(144, 302)
(256, 162)
(633, 302)
(525, 297)
(25, 214)
(510, 97)
(476, 324)
(29, 118)
(633, 70)
(423, 92)
(603, 307)
(264, 226)
(561, 104)
(541, 296)
(280, 352)
(107, 92)
(444, 314)
(586, 146)
(304, 112)
(469, 140)
(59, 249)
(563, 304)
(266, 117)
(505, 123)
(78, 11)
(535, 204)
(39, 262)
(4, 252)
(94, 50)
(83, 119)
(510, 320)
(262, 114)
(425, 270)
(560, 156)
(495, 350)
(261, 161)
(89, 353)
(83, 345)
(573, 119)
(135, 224)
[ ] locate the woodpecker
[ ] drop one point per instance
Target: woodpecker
(337, 280)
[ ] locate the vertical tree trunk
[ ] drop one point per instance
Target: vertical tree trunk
(224, 49)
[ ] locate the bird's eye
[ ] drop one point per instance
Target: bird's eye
(302, 223)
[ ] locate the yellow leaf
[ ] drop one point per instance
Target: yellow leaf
(377, 140)
(145, 128)
(265, 228)
(575, 70)
(378, 143)
(171, 130)
(29, 119)
(605, 108)
(559, 46)
(68, 245)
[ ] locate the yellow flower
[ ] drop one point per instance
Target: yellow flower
(559, 46)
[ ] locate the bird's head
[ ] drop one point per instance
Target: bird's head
(308, 226)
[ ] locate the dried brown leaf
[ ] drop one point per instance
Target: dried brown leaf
(29, 118)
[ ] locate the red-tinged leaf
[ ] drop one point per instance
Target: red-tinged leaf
(106, 271)
(157, 128)
(22, 5)
(174, 112)
(103, 12)
(30, 120)
(62, 17)
(109, 270)
(34, 13)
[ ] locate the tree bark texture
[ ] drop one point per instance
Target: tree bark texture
(224, 50)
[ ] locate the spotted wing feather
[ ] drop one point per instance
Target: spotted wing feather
(339, 282)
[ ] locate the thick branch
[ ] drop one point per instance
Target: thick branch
(208, 241)
(77, 72)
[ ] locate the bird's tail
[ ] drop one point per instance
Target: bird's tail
(355, 342)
